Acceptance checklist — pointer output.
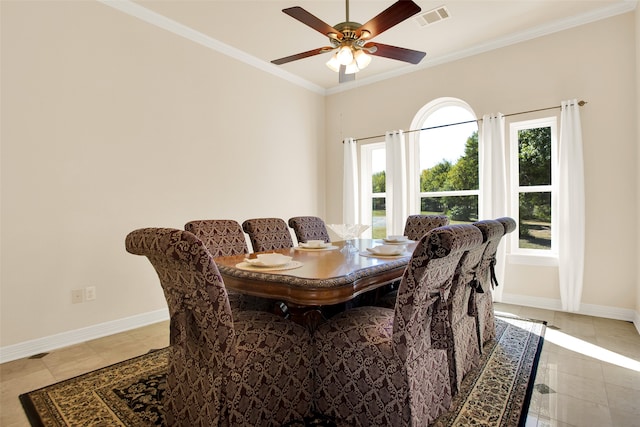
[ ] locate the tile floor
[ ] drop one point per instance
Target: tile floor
(23, 375)
(589, 371)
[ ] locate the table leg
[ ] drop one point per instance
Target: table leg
(309, 316)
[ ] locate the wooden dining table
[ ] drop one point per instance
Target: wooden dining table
(321, 277)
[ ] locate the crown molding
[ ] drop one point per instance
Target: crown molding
(161, 21)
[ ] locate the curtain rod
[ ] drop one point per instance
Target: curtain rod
(580, 103)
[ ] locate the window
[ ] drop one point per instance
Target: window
(373, 181)
(533, 186)
(445, 161)
(443, 173)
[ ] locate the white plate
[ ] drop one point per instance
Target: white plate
(372, 255)
(386, 250)
(397, 242)
(259, 263)
(308, 246)
(251, 267)
(326, 248)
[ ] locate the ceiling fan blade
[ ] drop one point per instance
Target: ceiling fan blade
(394, 52)
(393, 15)
(312, 21)
(301, 55)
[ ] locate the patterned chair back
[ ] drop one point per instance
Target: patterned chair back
(417, 226)
(474, 264)
(223, 237)
(492, 232)
(426, 284)
(508, 223)
(309, 228)
(202, 334)
(455, 329)
(267, 234)
(467, 271)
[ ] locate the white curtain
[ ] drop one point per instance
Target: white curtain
(396, 182)
(493, 184)
(571, 207)
(350, 200)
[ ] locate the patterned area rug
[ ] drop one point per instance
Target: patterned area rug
(130, 393)
(497, 393)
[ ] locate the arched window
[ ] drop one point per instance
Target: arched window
(444, 161)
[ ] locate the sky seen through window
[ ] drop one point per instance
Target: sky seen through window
(432, 148)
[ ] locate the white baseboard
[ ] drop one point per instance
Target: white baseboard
(527, 301)
(65, 339)
(587, 309)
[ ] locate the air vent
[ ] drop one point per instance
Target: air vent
(433, 16)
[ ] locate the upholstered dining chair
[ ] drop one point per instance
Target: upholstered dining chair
(224, 237)
(508, 223)
(456, 329)
(309, 228)
(376, 366)
(417, 226)
(492, 232)
(266, 234)
(252, 368)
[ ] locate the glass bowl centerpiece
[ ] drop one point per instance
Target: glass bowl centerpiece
(348, 232)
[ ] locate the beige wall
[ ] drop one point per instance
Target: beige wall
(110, 124)
(637, 15)
(594, 62)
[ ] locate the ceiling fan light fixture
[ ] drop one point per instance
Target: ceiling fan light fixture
(345, 55)
(352, 68)
(362, 59)
(333, 63)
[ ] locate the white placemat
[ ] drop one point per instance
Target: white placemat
(395, 242)
(372, 255)
(288, 266)
(326, 248)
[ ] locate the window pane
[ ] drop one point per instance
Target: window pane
(535, 220)
(378, 186)
(460, 209)
(378, 182)
(449, 154)
(379, 218)
(534, 147)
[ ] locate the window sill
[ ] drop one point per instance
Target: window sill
(542, 260)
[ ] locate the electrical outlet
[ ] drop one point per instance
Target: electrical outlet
(90, 293)
(77, 296)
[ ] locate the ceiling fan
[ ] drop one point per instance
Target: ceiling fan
(350, 41)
